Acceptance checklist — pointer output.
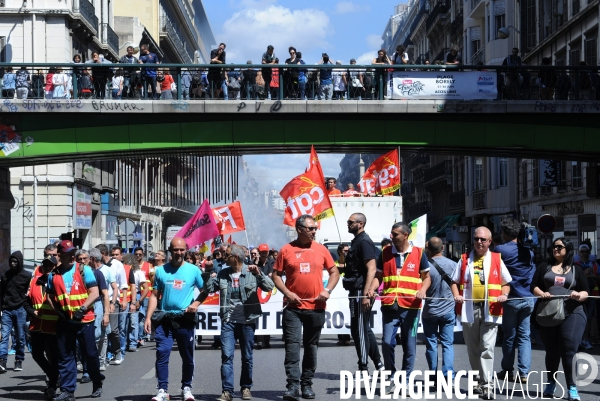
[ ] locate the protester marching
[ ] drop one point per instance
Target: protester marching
(88, 309)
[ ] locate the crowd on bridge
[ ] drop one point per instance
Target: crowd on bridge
(330, 82)
(88, 309)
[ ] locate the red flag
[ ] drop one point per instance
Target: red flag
(306, 194)
(199, 228)
(314, 161)
(212, 246)
(383, 176)
(230, 218)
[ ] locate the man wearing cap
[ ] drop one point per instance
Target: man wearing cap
(73, 289)
(13, 291)
(42, 324)
(265, 264)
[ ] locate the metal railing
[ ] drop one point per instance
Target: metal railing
(474, 4)
(440, 171)
(479, 56)
(172, 31)
(112, 39)
(545, 84)
(87, 10)
(479, 199)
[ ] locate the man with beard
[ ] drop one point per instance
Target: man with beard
(13, 290)
(359, 275)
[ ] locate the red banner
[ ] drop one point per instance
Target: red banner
(199, 228)
(383, 176)
(314, 161)
(230, 218)
(306, 194)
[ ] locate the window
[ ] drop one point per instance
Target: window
(531, 24)
(524, 179)
(536, 177)
(575, 7)
(561, 58)
(502, 172)
(478, 184)
(2, 49)
(575, 53)
(576, 175)
(500, 22)
(591, 49)
(563, 176)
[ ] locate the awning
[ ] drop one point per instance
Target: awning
(440, 228)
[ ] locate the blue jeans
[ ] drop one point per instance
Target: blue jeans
(115, 94)
(406, 320)
(142, 319)
(165, 336)
(515, 325)
(444, 325)
(13, 319)
(123, 318)
(245, 334)
(225, 90)
(100, 332)
(133, 329)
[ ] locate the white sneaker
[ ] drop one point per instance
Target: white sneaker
(186, 394)
(102, 367)
(161, 396)
(117, 361)
(79, 367)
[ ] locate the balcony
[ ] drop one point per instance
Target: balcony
(112, 39)
(438, 177)
(474, 4)
(439, 10)
(418, 209)
(457, 201)
(480, 199)
(419, 162)
(171, 31)
(456, 26)
(88, 12)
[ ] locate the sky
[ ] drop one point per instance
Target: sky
(343, 29)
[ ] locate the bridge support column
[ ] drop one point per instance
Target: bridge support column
(7, 202)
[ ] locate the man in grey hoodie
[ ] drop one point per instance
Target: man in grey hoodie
(14, 284)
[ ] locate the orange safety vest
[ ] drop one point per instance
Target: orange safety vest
(406, 284)
(494, 284)
(146, 267)
(73, 301)
(45, 321)
(121, 297)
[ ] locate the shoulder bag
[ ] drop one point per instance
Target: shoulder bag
(445, 277)
(551, 312)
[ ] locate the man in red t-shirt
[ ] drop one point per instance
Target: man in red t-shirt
(302, 261)
(331, 189)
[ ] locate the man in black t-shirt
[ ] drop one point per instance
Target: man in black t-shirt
(358, 280)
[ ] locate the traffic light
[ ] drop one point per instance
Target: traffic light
(150, 232)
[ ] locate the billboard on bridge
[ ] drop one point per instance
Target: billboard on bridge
(443, 85)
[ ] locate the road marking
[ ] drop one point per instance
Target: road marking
(149, 375)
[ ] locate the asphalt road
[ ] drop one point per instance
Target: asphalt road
(134, 380)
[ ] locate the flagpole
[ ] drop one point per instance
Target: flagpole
(247, 242)
(338, 228)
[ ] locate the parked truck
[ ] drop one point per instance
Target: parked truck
(381, 213)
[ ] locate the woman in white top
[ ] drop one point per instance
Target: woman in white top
(400, 57)
(340, 78)
(59, 81)
(117, 84)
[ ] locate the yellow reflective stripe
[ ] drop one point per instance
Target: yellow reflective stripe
(410, 279)
(390, 278)
(62, 296)
(79, 296)
(48, 317)
(400, 291)
(37, 306)
(494, 287)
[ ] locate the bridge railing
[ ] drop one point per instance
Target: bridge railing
(293, 82)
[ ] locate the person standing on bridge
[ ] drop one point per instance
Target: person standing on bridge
(148, 74)
(239, 309)
(302, 261)
(359, 280)
(173, 297)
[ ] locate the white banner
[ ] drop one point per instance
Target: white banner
(444, 85)
(337, 315)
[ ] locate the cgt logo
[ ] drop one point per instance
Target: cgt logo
(410, 266)
(305, 203)
(585, 367)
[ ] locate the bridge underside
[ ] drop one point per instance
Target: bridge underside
(62, 137)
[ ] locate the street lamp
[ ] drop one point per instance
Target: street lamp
(504, 33)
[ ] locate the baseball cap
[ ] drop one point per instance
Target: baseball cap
(352, 60)
(49, 261)
(263, 248)
(65, 246)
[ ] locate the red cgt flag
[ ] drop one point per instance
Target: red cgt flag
(383, 176)
(230, 218)
(306, 194)
(314, 161)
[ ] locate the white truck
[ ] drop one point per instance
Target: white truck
(381, 213)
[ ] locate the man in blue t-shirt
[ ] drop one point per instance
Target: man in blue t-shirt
(75, 327)
(148, 74)
(517, 312)
(174, 285)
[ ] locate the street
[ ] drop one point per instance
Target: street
(134, 380)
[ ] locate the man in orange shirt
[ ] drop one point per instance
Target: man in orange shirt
(331, 189)
(302, 261)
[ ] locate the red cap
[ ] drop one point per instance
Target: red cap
(263, 247)
(65, 246)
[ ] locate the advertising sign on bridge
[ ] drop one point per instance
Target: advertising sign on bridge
(444, 85)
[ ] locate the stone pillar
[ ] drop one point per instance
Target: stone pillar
(7, 202)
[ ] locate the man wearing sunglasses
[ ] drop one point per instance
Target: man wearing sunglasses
(359, 274)
(404, 271)
(303, 261)
(481, 285)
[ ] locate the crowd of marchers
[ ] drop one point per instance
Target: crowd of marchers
(88, 309)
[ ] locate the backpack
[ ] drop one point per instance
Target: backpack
(528, 236)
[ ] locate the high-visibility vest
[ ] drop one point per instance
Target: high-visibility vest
(45, 321)
(596, 289)
(122, 299)
(148, 269)
(494, 284)
(402, 288)
(73, 301)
